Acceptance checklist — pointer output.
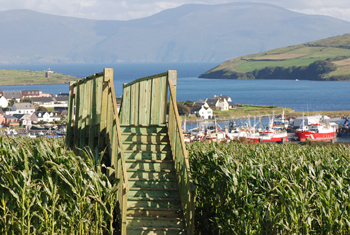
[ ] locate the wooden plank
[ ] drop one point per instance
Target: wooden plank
(83, 112)
(141, 108)
(103, 119)
(93, 116)
(77, 116)
(137, 105)
(126, 106)
(148, 101)
(71, 105)
(156, 101)
(164, 97)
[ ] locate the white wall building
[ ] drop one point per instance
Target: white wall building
(21, 108)
(3, 102)
(47, 116)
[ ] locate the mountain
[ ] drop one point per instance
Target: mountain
(327, 59)
(189, 33)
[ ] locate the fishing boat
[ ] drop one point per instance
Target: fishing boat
(322, 131)
(270, 134)
(281, 122)
(344, 131)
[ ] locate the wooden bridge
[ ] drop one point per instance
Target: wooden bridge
(144, 148)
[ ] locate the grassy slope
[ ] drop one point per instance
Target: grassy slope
(25, 77)
(253, 110)
(297, 55)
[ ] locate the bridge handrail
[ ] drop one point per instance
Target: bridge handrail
(93, 121)
(182, 166)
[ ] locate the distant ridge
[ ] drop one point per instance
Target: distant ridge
(189, 33)
(326, 59)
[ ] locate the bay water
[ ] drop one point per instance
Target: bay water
(298, 95)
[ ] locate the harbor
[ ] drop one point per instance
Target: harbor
(264, 129)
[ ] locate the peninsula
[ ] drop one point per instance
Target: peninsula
(323, 60)
(9, 77)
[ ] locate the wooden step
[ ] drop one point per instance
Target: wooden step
(144, 128)
(156, 183)
(149, 164)
(147, 155)
(154, 202)
(144, 146)
(155, 231)
(155, 222)
(157, 212)
(153, 192)
(145, 137)
(154, 174)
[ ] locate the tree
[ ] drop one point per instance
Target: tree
(41, 109)
(26, 100)
(11, 102)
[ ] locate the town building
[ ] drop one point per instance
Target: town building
(47, 116)
(43, 101)
(10, 95)
(24, 119)
(203, 112)
(3, 102)
(9, 120)
(21, 108)
(217, 104)
(61, 100)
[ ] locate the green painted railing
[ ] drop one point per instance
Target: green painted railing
(93, 121)
(180, 155)
(145, 102)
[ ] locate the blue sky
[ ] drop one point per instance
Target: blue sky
(132, 9)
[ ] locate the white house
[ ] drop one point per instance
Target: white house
(203, 112)
(47, 116)
(217, 104)
(21, 108)
(25, 119)
(3, 102)
(43, 101)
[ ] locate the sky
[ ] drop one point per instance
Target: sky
(133, 9)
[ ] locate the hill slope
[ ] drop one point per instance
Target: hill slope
(327, 59)
(9, 77)
(189, 33)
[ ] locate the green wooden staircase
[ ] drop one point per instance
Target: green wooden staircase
(142, 147)
(153, 200)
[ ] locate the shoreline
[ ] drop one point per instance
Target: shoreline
(288, 116)
(36, 84)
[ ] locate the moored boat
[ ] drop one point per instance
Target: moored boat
(270, 134)
(317, 131)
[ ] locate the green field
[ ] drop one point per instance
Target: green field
(253, 110)
(252, 65)
(27, 77)
(331, 49)
(47, 189)
(241, 188)
(270, 188)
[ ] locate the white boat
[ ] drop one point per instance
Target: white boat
(270, 134)
(324, 130)
(281, 122)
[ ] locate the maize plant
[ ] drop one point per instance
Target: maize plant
(271, 189)
(46, 189)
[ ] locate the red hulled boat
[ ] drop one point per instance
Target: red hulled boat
(317, 132)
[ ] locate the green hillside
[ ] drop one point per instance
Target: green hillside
(327, 59)
(10, 77)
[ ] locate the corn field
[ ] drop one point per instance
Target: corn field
(271, 189)
(45, 189)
